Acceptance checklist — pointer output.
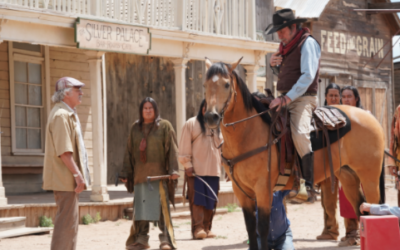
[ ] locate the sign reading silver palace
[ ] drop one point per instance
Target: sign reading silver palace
(95, 35)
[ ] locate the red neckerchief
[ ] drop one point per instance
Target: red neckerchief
(283, 50)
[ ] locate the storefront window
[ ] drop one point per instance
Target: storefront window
(28, 105)
(27, 92)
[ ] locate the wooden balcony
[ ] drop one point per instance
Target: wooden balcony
(228, 18)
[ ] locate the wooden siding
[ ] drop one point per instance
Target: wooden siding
(348, 42)
(129, 79)
(32, 212)
(195, 77)
(63, 62)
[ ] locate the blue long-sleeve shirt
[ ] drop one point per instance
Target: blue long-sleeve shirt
(309, 63)
(384, 209)
(279, 222)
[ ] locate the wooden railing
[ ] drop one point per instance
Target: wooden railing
(223, 17)
(233, 18)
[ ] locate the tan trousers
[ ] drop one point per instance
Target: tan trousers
(65, 233)
(300, 119)
(201, 217)
(329, 204)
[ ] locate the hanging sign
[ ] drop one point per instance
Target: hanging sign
(96, 35)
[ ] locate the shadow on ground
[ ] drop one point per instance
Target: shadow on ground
(225, 247)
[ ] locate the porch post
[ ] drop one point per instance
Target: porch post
(251, 76)
(99, 184)
(180, 93)
(3, 199)
(180, 105)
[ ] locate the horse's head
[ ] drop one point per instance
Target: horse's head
(219, 90)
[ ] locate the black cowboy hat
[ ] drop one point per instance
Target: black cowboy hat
(281, 19)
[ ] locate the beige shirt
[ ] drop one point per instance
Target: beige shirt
(62, 135)
(199, 150)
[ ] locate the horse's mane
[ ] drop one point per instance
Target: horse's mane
(248, 99)
(251, 101)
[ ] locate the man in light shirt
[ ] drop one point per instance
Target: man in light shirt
(297, 66)
(199, 154)
(65, 168)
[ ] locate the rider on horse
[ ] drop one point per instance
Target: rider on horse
(297, 66)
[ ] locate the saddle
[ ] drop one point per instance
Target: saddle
(328, 125)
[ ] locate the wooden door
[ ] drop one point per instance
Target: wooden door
(375, 99)
(323, 83)
(381, 112)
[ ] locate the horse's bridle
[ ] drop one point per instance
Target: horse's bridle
(231, 162)
(231, 89)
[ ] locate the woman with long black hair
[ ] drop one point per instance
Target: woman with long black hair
(151, 151)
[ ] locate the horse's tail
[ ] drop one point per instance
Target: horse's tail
(382, 183)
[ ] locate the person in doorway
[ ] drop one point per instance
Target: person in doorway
(329, 199)
(151, 151)
(351, 97)
(297, 66)
(65, 168)
(201, 158)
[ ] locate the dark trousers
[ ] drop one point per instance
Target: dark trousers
(201, 217)
(65, 233)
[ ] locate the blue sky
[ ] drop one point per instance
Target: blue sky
(396, 49)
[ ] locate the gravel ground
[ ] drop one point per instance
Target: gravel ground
(306, 223)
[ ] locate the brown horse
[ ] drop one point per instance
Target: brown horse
(229, 100)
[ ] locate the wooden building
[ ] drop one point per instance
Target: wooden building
(356, 49)
(162, 57)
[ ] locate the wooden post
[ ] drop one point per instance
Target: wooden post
(95, 8)
(180, 65)
(252, 21)
(251, 77)
(99, 183)
(180, 93)
(180, 21)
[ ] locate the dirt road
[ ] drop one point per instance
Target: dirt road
(306, 223)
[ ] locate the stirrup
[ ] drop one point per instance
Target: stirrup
(301, 194)
(312, 190)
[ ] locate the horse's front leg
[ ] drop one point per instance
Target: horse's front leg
(263, 218)
(248, 207)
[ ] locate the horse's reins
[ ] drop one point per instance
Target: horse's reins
(231, 163)
(391, 156)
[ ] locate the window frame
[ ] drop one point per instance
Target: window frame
(28, 57)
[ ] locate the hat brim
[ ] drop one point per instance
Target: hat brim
(272, 29)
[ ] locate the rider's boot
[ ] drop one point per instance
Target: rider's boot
(307, 163)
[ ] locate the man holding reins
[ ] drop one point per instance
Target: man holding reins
(297, 66)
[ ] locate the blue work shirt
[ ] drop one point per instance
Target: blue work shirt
(278, 223)
(309, 63)
(384, 209)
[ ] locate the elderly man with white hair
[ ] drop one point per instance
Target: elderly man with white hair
(65, 168)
